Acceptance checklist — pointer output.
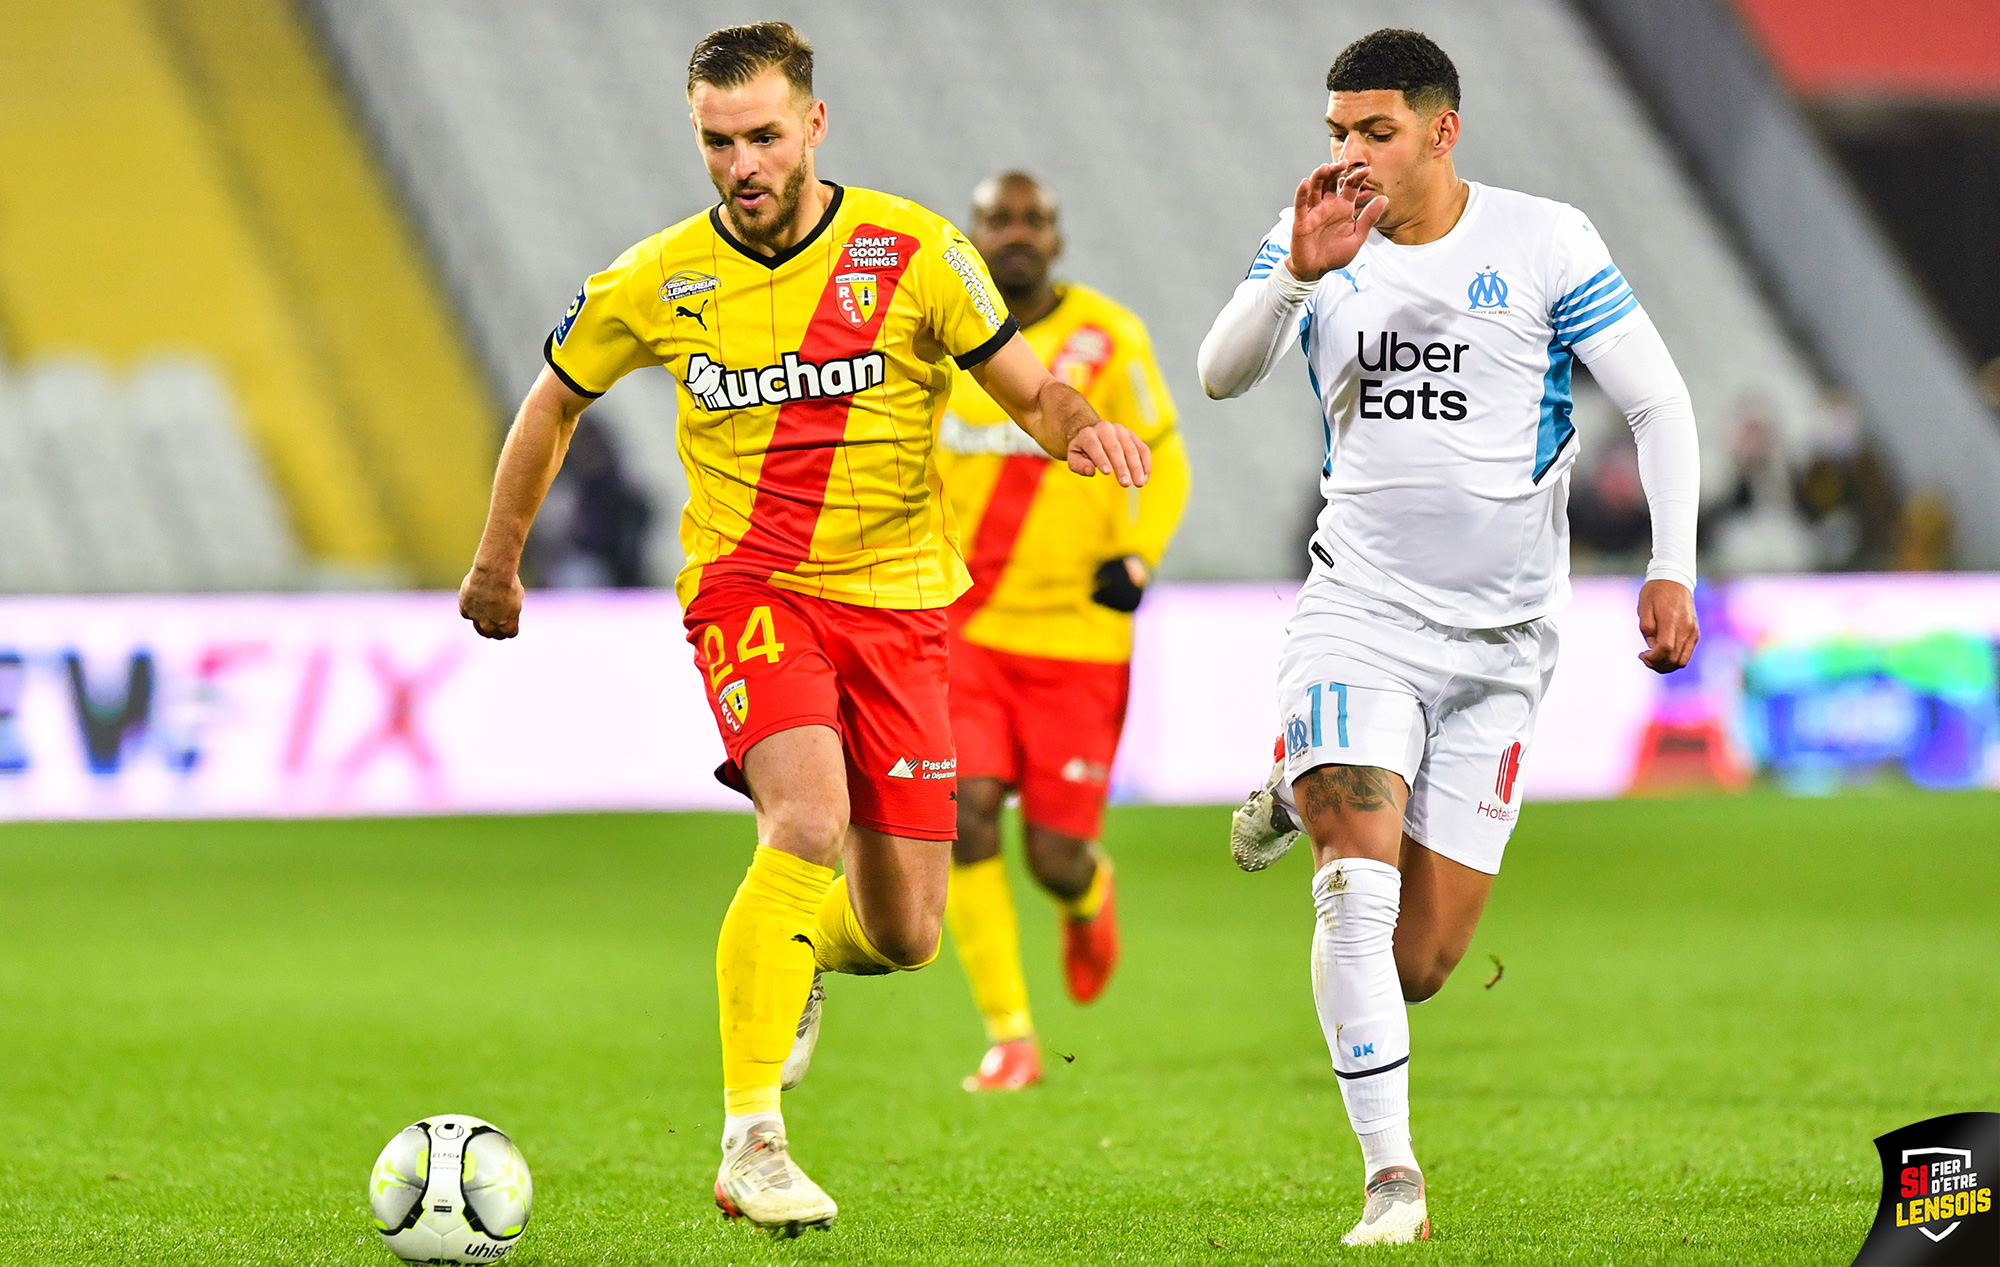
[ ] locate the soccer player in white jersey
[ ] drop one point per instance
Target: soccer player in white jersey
(1440, 321)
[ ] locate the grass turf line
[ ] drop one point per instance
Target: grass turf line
(1709, 1008)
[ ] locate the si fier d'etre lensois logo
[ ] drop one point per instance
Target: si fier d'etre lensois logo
(1937, 1195)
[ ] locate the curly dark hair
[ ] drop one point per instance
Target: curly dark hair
(735, 55)
(1406, 61)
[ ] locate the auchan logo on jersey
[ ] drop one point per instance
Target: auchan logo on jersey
(717, 386)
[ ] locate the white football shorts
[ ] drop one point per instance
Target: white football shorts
(1363, 681)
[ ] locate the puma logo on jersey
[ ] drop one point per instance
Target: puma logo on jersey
(700, 315)
(719, 387)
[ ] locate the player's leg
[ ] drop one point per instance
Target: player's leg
(1072, 714)
(765, 970)
(1354, 817)
(980, 908)
(987, 932)
(775, 700)
(1442, 903)
(1355, 734)
(886, 911)
(1466, 798)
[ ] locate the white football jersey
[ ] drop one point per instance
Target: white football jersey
(1443, 374)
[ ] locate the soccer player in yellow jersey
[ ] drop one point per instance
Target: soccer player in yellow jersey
(814, 332)
(1041, 641)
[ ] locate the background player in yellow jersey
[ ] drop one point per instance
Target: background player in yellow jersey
(814, 332)
(1042, 640)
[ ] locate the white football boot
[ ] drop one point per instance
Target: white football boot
(801, 1056)
(1263, 830)
(760, 1182)
(1395, 1213)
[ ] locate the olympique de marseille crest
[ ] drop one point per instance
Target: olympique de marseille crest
(854, 295)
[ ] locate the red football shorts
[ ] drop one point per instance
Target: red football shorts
(1047, 727)
(773, 660)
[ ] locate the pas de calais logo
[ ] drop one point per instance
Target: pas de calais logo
(854, 296)
(1937, 1195)
(1488, 292)
(735, 701)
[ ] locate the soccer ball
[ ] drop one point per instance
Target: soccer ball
(451, 1189)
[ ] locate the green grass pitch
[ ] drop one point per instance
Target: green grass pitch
(1709, 1008)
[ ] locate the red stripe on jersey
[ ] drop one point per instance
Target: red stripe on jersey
(999, 528)
(791, 486)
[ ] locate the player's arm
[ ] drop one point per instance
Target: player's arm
(1638, 374)
(490, 596)
(1059, 418)
(1331, 217)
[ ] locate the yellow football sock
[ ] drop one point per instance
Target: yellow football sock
(841, 946)
(1085, 905)
(763, 971)
(979, 910)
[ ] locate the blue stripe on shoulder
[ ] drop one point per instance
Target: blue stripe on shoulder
(1623, 310)
(1267, 255)
(1576, 297)
(1581, 317)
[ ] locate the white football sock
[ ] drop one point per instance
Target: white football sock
(734, 1128)
(1360, 1002)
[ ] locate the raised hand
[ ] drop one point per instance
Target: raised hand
(1331, 217)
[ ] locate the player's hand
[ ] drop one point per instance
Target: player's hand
(491, 602)
(1331, 217)
(1666, 618)
(1121, 583)
(1105, 448)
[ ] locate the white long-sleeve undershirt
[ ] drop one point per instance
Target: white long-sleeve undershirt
(1638, 375)
(1251, 333)
(1635, 370)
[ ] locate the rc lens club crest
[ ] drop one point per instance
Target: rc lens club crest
(854, 294)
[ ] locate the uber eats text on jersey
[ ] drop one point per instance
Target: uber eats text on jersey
(719, 387)
(1397, 356)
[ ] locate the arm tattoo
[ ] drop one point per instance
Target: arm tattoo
(1331, 789)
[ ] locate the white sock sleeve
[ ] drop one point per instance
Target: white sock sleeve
(1359, 996)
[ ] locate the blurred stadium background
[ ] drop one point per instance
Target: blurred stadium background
(273, 274)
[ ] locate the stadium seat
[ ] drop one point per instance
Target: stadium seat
(538, 141)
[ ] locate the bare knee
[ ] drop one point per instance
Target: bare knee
(805, 829)
(1426, 976)
(1064, 865)
(909, 942)
(979, 802)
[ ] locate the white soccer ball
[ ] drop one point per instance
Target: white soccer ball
(451, 1189)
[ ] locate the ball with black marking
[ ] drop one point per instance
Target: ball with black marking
(451, 1189)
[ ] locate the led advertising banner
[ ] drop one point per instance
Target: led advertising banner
(389, 704)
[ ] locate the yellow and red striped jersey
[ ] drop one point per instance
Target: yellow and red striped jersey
(1036, 534)
(810, 388)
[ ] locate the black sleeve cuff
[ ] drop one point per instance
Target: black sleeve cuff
(980, 354)
(549, 355)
